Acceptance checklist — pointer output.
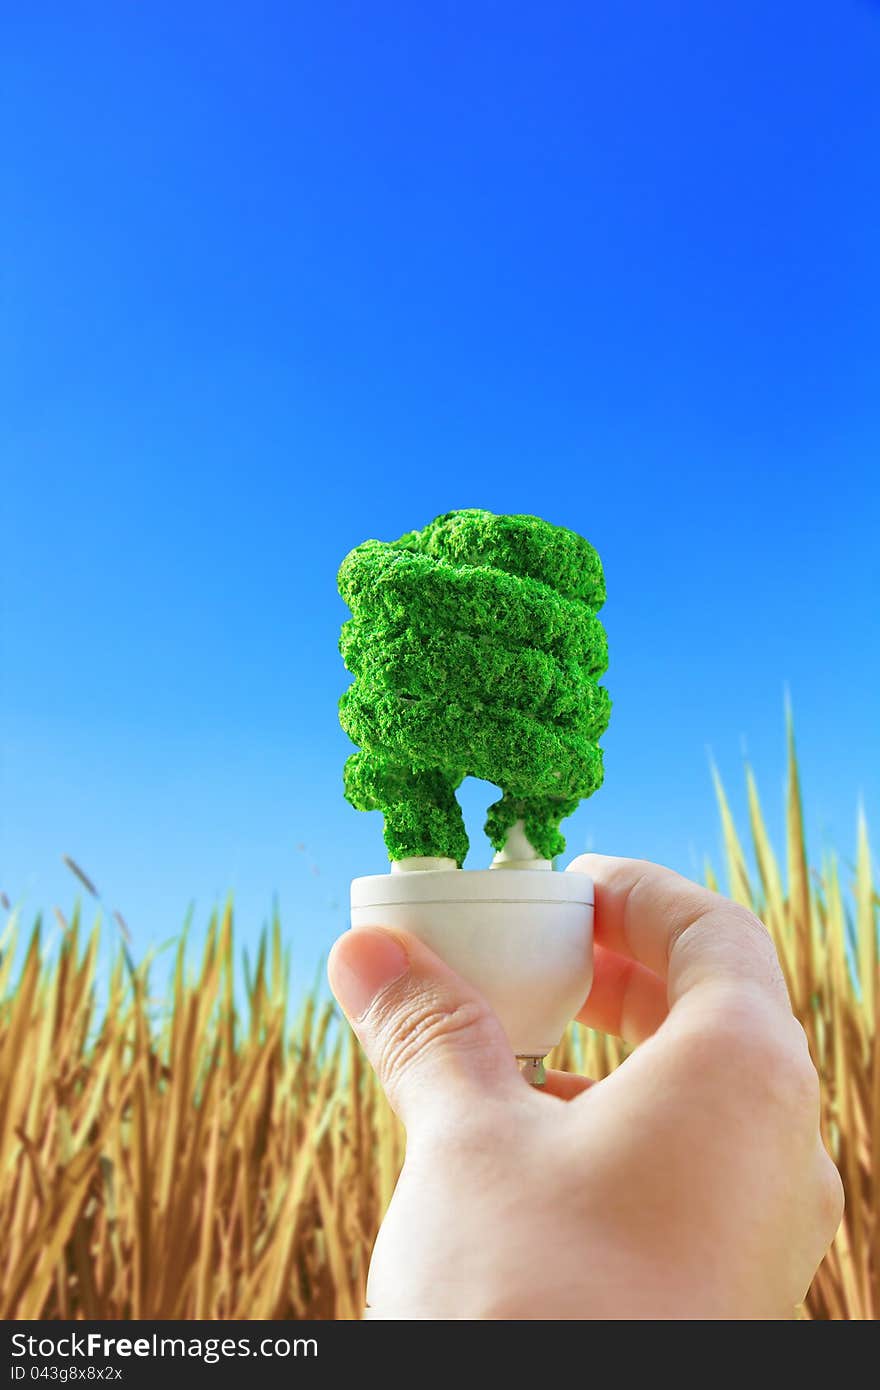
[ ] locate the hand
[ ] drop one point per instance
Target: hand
(691, 1183)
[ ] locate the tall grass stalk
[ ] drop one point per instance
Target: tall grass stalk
(220, 1161)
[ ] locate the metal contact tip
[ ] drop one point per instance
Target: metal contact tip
(532, 1068)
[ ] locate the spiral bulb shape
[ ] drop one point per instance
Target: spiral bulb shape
(476, 650)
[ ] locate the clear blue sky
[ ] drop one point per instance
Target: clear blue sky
(278, 277)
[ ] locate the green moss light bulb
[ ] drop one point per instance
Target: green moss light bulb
(476, 651)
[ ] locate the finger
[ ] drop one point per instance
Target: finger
(431, 1037)
(687, 935)
(626, 999)
(565, 1084)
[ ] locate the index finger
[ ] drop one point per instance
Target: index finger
(685, 933)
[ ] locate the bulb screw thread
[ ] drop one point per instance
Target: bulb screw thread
(532, 1068)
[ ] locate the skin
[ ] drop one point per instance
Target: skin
(691, 1183)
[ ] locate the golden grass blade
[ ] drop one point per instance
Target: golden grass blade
(800, 906)
(774, 905)
(209, 1215)
(740, 887)
(710, 877)
(866, 926)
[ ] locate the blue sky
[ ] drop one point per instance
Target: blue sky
(277, 278)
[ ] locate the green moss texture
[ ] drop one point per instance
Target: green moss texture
(476, 651)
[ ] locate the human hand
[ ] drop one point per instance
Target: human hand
(691, 1183)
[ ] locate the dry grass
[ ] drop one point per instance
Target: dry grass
(203, 1161)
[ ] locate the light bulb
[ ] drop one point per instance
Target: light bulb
(476, 651)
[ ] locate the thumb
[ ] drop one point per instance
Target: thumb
(432, 1039)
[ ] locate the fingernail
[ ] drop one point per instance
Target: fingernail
(363, 963)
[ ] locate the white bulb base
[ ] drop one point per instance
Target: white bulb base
(522, 937)
(518, 852)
